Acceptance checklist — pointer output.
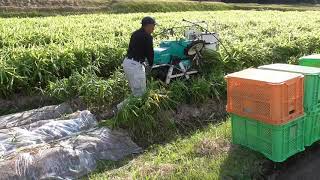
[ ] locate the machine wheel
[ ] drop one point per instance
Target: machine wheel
(193, 51)
(194, 48)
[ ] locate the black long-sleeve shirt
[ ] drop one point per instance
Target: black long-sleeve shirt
(141, 46)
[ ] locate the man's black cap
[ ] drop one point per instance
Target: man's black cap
(148, 20)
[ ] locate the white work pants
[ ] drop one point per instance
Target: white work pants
(136, 76)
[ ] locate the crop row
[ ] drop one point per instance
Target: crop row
(35, 51)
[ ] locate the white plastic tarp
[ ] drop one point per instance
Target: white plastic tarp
(57, 146)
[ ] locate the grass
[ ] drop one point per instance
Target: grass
(206, 154)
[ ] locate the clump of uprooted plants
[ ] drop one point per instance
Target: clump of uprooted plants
(150, 118)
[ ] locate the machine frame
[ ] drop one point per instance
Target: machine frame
(200, 39)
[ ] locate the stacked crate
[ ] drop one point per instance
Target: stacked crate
(267, 111)
(311, 97)
(310, 60)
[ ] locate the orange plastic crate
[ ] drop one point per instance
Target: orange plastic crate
(272, 97)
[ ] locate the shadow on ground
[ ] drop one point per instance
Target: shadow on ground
(253, 165)
(304, 165)
(243, 163)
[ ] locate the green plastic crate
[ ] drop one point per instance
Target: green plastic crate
(311, 82)
(276, 142)
(312, 127)
(311, 60)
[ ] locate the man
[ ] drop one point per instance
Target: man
(140, 49)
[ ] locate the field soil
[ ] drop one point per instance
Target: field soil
(20, 103)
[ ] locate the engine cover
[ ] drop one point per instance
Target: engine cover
(171, 52)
